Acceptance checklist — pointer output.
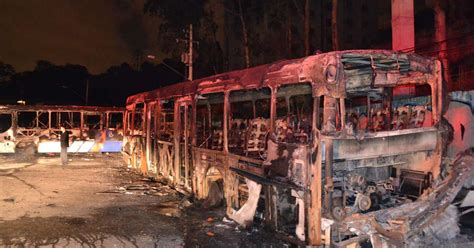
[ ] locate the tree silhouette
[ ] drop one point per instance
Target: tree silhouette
(6, 71)
(172, 32)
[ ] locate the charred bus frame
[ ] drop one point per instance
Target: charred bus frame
(313, 145)
(38, 127)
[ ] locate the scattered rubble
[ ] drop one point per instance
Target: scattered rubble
(109, 217)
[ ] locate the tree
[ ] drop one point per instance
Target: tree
(289, 33)
(42, 65)
(306, 28)
(174, 24)
(174, 20)
(335, 34)
(6, 72)
(440, 36)
(245, 35)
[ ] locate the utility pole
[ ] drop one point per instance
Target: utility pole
(306, 28)
(190, 52)
(187, 57)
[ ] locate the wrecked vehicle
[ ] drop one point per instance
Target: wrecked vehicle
(324, 148)
(36, 128)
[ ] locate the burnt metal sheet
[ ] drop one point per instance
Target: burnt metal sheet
(58, 108)
(263, 180)
(401, 223)
(386, 143)
(313, 69)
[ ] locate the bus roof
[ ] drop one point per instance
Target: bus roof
(59, 108)
(358, 63)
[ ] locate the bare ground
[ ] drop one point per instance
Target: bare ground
(96, 201)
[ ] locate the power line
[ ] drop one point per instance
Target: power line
(411, 49)
(174, 70)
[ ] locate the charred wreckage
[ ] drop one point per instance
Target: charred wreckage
(36, 128)
(324, 148)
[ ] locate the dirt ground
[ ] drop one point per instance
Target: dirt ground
(96, 201)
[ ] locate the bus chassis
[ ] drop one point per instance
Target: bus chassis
(329, 149)
(36, 128)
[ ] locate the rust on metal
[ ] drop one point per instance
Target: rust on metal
(35, 128)
(322, 140)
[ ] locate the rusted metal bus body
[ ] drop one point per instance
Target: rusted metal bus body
(312, 146)
(37, 127)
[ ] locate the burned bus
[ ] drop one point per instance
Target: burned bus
(36, 128)
(326, 149)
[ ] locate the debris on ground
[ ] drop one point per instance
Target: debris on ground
(152, 188)
(12, 200)
(223, 226)
(227, 220)
(185, 203)
(169, 209)
(123, 209)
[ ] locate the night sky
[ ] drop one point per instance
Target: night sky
(96, 34)
(56, 51)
